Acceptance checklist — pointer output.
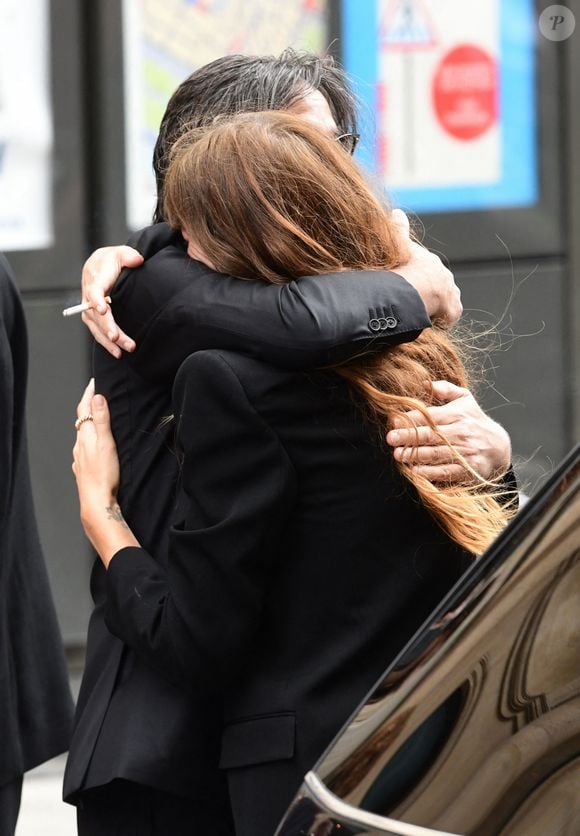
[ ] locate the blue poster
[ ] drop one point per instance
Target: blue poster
(448, 100)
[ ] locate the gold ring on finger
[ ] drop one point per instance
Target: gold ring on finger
(80, 421)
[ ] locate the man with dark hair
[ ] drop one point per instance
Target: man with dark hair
(36, 715)
(239, 83)
(144, 750)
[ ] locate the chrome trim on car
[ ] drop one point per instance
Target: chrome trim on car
(346, 814)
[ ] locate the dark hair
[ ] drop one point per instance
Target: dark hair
(270, 196)
(249, 83)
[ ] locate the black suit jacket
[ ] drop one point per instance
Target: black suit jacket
(302, 564)
(36, 713)
(173, 306)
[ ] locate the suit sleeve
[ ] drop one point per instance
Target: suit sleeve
(193, 620)
(313, 321)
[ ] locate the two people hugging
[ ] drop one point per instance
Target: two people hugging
(266, 551)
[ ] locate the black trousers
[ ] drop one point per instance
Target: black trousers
(123, 808)
(9, 806)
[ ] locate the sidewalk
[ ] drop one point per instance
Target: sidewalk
(42, 812)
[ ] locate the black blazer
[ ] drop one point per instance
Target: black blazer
(302, 564)
(36, 713)
(173, 306)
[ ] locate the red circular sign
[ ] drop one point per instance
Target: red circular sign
(465, 91)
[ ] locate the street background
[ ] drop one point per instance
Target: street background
(470, 118)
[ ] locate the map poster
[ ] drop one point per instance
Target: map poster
(25, 126)
(166, 40)
(451, 89)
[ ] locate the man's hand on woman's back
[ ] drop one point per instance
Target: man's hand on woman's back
(482, 442)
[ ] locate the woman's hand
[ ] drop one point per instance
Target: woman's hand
(96, 468)
(100, 272)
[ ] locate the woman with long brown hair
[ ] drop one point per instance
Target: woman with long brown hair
(279, 201)
(303, 557)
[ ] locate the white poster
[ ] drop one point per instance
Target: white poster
(439, 94)
(166, 40)
(451, 86)
(25, 126)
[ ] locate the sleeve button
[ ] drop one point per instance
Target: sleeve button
(391, 322)
(374, 325)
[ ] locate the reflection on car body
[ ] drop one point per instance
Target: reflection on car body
(475, 728)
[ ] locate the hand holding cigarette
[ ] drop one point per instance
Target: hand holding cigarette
(100, 273)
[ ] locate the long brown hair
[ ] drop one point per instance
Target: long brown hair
(268, 195)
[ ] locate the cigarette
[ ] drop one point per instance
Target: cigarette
(84, 306)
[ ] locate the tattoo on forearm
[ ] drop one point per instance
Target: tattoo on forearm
(115, 513)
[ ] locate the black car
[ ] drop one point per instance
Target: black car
(475, 728)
